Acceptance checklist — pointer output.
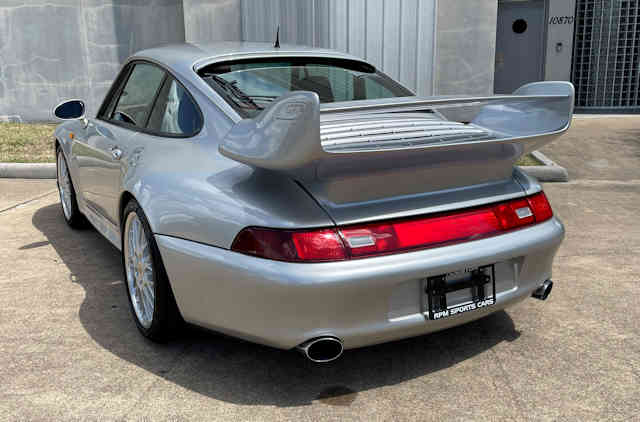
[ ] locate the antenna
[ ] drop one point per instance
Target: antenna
(277, 43)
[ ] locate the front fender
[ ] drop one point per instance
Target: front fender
(62, 134)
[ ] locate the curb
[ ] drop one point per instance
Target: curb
(28, 170)
(549, 172)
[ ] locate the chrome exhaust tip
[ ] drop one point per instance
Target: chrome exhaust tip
(322, 349)
(543, 291)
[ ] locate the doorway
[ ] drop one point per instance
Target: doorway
(519, 44)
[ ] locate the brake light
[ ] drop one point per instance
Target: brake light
(396, 236)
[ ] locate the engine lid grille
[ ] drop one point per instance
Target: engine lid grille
(377, 133)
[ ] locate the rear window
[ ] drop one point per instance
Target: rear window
(249, 86)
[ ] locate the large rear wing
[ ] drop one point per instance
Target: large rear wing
(288, 136)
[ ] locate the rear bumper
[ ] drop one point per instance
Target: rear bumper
(363, 301)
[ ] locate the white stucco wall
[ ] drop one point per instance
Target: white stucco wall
(465, 47)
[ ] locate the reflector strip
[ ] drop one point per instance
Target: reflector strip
(387, 237)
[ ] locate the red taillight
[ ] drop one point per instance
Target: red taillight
(322, 245)
(287, 245)
(540, 206)
(388, 237)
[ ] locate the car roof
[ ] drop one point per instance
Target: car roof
(183, 58)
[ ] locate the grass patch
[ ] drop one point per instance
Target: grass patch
(26, 143)
(528, 160)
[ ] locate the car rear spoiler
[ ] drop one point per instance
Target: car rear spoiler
(288, 136)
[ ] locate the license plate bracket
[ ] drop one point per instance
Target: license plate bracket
(457, 292)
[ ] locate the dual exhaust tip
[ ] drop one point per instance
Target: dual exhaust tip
(322, 349)
(328, 348)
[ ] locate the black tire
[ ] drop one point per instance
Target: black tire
(166, 317)
(72, 214)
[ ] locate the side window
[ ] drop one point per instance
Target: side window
(175, 112)
(136, 99)
(112, 96)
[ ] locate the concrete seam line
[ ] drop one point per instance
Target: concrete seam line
(28, 201)
(28, 170)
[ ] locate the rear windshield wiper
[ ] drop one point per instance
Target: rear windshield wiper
(232, 90)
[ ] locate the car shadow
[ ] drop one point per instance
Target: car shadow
(239, 372)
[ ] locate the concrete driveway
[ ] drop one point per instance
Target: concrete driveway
(69, 348)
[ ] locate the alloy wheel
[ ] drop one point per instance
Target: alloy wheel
(64, 186)
(139, 270)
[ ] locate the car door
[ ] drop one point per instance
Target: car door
(108, 138)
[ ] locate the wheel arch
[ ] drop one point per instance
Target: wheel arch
(138, 187)
(125, 197)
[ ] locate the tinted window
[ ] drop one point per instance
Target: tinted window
(249, 86)
(136, 99)
(175, 112)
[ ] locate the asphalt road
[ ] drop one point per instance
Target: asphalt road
(69, 349)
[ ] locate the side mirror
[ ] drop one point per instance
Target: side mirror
(69, 110)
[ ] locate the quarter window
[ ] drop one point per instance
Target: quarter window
(136, 99)
(175, 113)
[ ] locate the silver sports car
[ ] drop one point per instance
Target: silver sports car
(300, 198)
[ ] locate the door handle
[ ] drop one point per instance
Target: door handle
(116, 153)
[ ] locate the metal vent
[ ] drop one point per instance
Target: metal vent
(396, 133)
(606, 55)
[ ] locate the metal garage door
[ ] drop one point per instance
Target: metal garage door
(606, 55)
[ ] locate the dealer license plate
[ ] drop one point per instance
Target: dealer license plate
(458, 292)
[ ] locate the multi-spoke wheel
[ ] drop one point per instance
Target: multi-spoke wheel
(139, 268)
(70, 210)
(152, 303)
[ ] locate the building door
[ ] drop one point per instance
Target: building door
(519, 44)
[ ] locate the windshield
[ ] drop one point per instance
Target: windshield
(249, 86)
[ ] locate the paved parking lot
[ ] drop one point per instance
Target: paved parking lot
(70, 350)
